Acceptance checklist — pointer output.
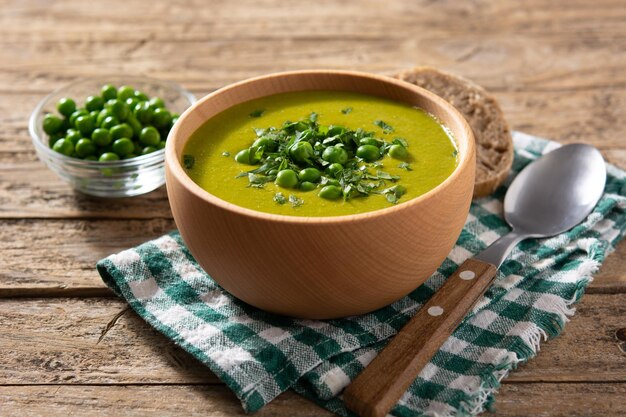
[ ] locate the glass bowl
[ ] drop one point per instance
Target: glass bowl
(123, 178)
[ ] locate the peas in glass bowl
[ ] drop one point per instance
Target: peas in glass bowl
(74, 132)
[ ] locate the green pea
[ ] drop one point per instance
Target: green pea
(331, 192)
(109, 122)
(149, 136)
(134, 123)
(54, 138)
(310, 175)
(102, 114)
(119, 109)
(109, 156)
(52, 124)
(161, 145)
(73, 136)
(101, 136)
(125, 92)
(243, 157)
(108, 92)
(161, 118)
(397, 152)
(66, 106)
(85, 124)
(91, 158)
(307, 186)
(157, 102)
(130, 156)
(301, 152)
(265, 143)
(94, 103)
(370, 141)
(332, 181)
(123, 146)
(141, 96)
(175, 118)
(131, 102)
(369, 153)
(64, 147)
(121, 131)
(144, 112)
(148, 149)
(76, 115)
(335, 130)
(137, 147)
(335, 154)
(334, 169)
(287, 178)
(85, 147)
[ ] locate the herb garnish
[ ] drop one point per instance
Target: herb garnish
(225, 153)
(189, 161)
(405, 165)
(384, 126)
(306, 155)
(280, 198)
(347, 110)
(295, 201)
(257, 113)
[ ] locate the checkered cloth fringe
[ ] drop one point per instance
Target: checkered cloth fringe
(259, 355)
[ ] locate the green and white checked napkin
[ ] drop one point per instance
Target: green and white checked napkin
(259, 355)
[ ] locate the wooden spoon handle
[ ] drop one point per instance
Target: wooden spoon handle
(379, 387)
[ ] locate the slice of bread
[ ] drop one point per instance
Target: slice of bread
(494, 145)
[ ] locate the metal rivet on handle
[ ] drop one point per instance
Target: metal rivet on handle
(467, 275)
(435, 311)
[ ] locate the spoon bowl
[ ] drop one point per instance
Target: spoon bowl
(556, 192)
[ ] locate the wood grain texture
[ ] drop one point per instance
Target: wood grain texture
(574, 400)
(556, 67)
(379, 387)
(55, 341)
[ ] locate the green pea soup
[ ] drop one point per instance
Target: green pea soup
(209, 154)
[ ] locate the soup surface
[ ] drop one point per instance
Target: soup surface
(209, 155)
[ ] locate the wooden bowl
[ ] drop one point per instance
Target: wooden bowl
(320, 267)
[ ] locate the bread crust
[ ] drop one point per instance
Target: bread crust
(494, 144)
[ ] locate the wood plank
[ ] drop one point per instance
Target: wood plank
(55, 341)
(513, 400)
(560, 46)
(56, 256)
(142, 400)
(41, 257)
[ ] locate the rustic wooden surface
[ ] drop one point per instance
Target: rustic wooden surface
(556, 67)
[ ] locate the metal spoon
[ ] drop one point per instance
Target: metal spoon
(550, 196)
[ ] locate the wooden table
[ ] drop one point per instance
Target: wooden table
(67, 346)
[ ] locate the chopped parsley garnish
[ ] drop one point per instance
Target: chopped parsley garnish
(225, 153)
(307, 156)
(384, 126)
(189, 161)
(280, 198)
(295, 201)
(406, 166)
(347, 110)
(455, 153)
(257, 113)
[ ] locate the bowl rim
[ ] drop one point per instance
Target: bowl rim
(139, 160)
(174, 167)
